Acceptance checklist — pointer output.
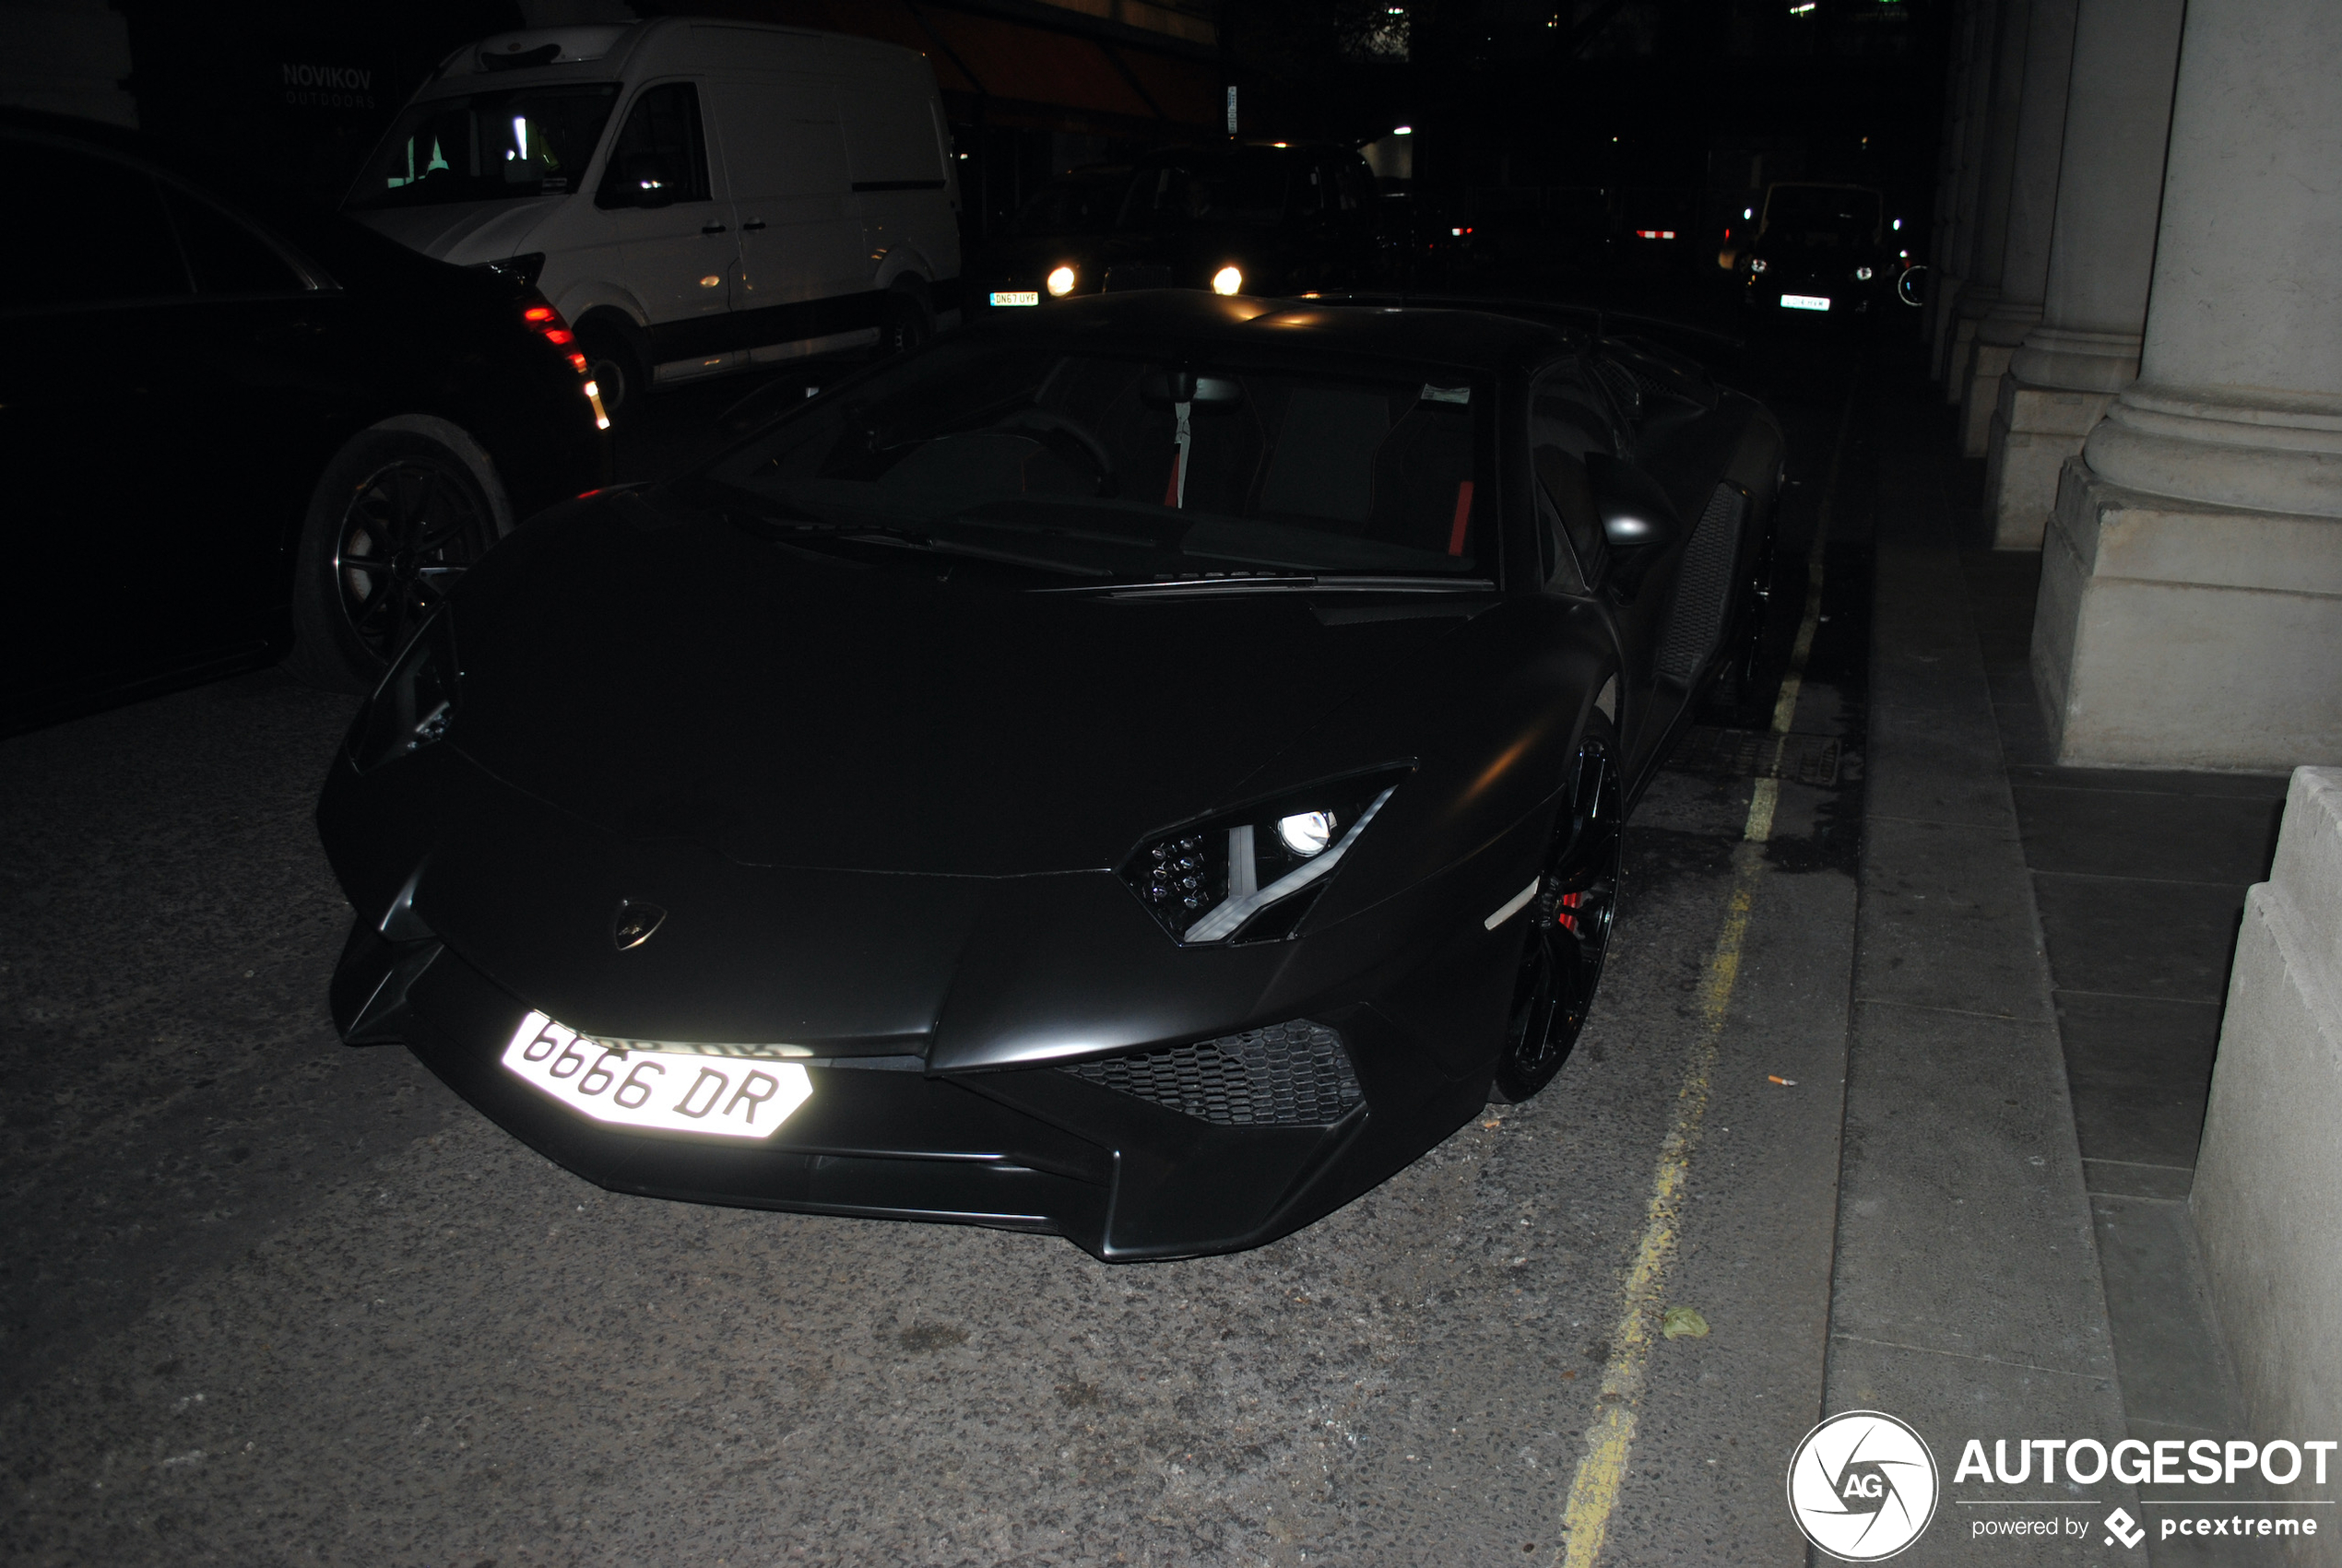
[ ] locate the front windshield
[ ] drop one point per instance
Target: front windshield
(1247, 186)
(488, 146)
(1069, 207)
(1127, 469)
(1821, 214)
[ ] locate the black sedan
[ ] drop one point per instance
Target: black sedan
(228, 439)
(1251, 219)
(1143, 771)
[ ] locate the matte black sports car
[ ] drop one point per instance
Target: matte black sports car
(1145, 770)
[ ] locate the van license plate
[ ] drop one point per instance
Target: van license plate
(1804, 301)
(1016, 297)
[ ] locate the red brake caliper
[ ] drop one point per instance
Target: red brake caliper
(1563, 917)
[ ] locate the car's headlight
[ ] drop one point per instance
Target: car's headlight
(416, 701)
(1756, 264)
(1249, 875)
(1228, 281)
(1861, 275)
(1061, 281)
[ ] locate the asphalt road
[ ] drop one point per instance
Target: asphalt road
(266, 1298)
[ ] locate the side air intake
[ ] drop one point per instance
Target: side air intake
(1288, 1074)
(1704, 587)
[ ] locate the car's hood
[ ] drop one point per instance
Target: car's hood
(694, 681)
(462, 232)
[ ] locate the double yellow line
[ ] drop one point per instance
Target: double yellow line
(1593, 1491)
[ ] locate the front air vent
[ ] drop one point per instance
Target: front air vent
(1288, 1074)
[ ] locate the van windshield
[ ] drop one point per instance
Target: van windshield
(488, 147)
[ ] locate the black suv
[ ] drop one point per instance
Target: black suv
(229, 440)
(1821, 250)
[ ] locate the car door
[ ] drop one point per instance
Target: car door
(662, 196)
(803, 270)
(144, 472)
(1575, 448)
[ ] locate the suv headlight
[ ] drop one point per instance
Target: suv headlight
(1756, 264)
(416, 701)
(1249, 875)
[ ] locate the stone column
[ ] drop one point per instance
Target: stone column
(2060, 381)
(2032, 208)
(2191, 602)
(1971, 54)
(1984, 239)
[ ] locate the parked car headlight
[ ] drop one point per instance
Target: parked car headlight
(1248, 875)
(416, 702)
(1756, 264)
(1228, 281)
(1061, 281)
(1861, 275)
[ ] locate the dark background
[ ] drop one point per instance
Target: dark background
(1532, 113)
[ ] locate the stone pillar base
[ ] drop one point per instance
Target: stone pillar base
(2267, 1202)
(2035, 430)
(2181, 634)
(1940, 302)
(1956, 355)
(1987, 362)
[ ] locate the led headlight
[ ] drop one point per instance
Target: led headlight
(1756, 264)
(1228, 281)
(1248, 875)
(416, 701)
(1861, 275)
(1061, 281)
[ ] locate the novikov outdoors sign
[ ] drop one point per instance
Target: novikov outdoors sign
(1864, 1485)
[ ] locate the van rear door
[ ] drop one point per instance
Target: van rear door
(803, 270)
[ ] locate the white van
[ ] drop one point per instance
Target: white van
(695, 197)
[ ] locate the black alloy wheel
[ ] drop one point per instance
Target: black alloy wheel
(1569, 929)
(397, 518)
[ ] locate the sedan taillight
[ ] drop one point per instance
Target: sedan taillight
(540, 317)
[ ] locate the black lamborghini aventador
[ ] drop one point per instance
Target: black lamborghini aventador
(1145, 770)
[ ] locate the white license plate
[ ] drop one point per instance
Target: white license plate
(715, 1096)
(1016, 297)
(1804, 301)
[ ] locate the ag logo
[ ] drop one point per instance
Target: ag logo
(1862, 1486)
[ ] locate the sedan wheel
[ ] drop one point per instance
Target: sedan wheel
(1569, 933)
(397, 519)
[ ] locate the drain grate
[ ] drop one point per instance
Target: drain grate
(1748, 753)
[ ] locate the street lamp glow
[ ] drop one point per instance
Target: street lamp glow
(1228, 280)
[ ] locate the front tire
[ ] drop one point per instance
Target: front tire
(397, 516)
(1570, 918)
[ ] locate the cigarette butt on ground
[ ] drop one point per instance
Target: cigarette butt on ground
(1784, 1082)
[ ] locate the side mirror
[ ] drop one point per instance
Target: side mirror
(1636, 514)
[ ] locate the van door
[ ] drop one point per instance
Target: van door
(677, 252)
(803, 270)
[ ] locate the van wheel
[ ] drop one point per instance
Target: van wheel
(396, 518)
(611, 362)
(908, 322)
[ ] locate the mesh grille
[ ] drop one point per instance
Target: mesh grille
(1703, 591)
(1289, 1074)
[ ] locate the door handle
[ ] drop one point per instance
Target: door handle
(711, 229)
(751, 225)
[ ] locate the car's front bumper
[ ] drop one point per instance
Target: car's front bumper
(1031, 1149)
